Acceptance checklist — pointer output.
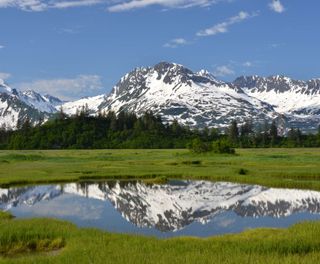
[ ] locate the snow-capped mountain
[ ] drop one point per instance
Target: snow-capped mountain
(285, 94)
(173, 206)
(43, 103)
(18, 106)
(196, 99)
(298, 100)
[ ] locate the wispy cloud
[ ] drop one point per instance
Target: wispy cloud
(27, 5)
(174, 43)
(125, 5)
(224, 26)
(214, 30)
(79, 3)
(247, 64)
(42, 5)
(117, 5)
(66, 89)
(112, 5)
(277, 6)
(276, 45)
(1, 47)
(224, 70)
(4, 75)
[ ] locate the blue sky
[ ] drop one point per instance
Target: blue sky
(81, 48)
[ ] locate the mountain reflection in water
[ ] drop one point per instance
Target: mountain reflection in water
(197, 208)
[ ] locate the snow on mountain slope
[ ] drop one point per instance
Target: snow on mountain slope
(93, 103)
(42, 103)
(9, 115)
(13, 108)
(171, 207)
(194, 99)
(285, 94)
(297, 101)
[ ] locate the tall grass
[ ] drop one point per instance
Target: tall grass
(21, 237)
(292, 168)
(298, 244)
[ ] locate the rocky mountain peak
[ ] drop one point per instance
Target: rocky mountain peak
(52, 99)
(276, 83)
(314, 86)
(206, 74)
(5, 88)
(196, 99)
(170, 73)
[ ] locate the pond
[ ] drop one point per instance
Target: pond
(178, 208)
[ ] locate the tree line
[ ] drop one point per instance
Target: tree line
(127, 130)
(267, 135)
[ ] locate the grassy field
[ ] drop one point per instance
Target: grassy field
(292, 168)
(51, 241)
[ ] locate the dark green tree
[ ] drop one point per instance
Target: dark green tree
(233, 133)
(273, 133)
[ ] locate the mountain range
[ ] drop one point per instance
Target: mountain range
(173, 206)
(195, 99)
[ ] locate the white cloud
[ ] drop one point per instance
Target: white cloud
(124, 5)
(174, 43)
(66, 89)
(113, 5)
(42, 5)
(79, 3)
(1, 47)
(224, 26)
(4, 75)
(222, 71)
(277, 6)
(214, 30)
(247, 64)
(27, 5)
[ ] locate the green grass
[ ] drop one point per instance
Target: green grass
(5, 216)
(292, 168)
(52, 241)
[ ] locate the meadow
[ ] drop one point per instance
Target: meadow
(53, 241)
(289, 168)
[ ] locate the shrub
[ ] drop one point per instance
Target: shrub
(191, 162)
(199, 146)
(242, 171)
(223, 146)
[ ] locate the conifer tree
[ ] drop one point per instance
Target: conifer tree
(273, 133)
(233, 132)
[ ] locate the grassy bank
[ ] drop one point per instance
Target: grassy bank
(51, 241)
(292, 168)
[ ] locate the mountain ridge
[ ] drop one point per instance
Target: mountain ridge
(196, 99)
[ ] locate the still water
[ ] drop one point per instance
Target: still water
(178, 208)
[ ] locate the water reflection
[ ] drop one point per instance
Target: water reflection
(196, 208)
